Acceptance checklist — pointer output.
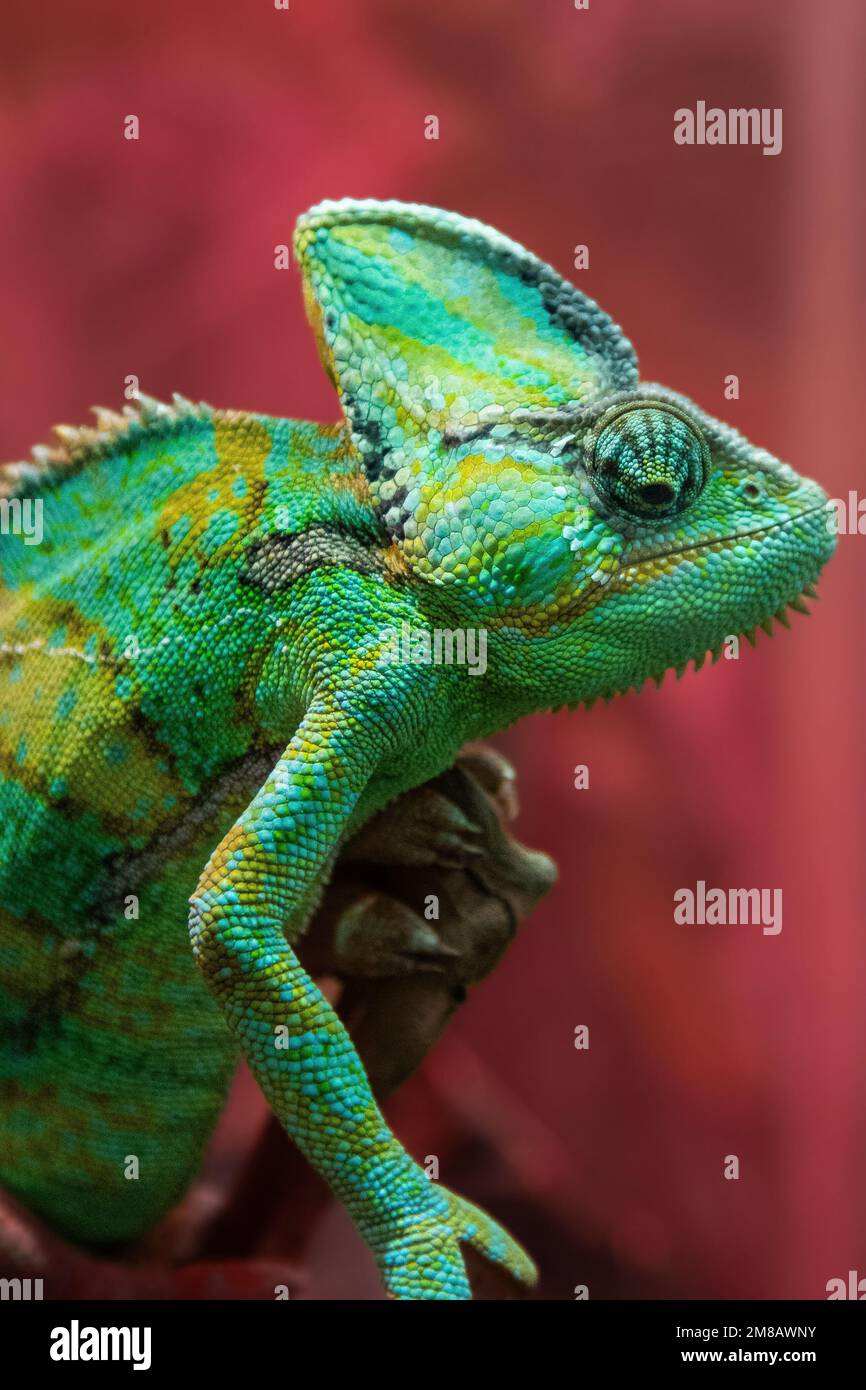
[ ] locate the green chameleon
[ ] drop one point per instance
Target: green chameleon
(200, 697)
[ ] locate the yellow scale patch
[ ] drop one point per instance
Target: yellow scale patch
(54, 746)
(242, 446)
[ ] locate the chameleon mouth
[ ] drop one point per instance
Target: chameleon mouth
(628, 574)
(711, 650)
(695, 547)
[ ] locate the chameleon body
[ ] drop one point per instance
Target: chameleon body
(199, 695)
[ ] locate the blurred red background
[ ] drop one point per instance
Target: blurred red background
(556, 126)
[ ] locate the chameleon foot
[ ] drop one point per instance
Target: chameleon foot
(425, 1260)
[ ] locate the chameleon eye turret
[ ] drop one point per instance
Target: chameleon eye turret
(647, 461)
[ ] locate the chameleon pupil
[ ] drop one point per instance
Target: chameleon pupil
(657, 494)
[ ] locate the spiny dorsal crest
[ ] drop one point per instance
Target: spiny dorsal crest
(76, 446)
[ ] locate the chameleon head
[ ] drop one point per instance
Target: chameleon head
(600, 529)
(688, 536)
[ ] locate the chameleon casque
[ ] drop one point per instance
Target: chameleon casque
(199, 701)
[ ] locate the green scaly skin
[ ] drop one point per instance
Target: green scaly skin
(198, 696)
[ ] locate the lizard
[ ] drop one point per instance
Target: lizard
(201, 695)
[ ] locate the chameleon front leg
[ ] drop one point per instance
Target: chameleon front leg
(262, 876)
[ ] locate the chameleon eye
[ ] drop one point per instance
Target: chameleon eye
(647, 460)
